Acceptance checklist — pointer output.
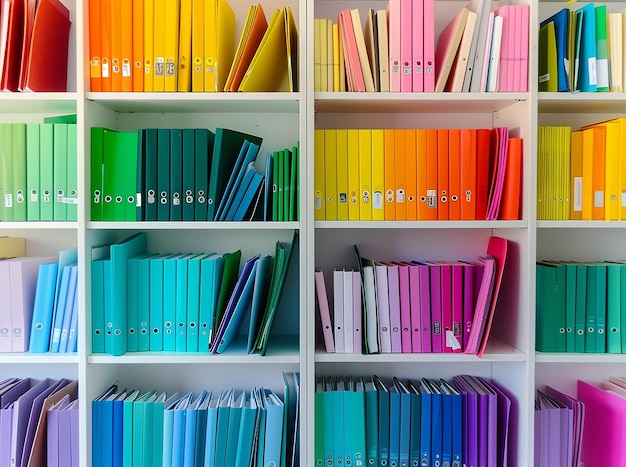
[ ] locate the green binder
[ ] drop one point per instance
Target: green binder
(140, 172)
(6, 174)
(19, 171)
(550, 306)
(46, 171)
(581, 308)
(32, 172)
(205, 141)
(127, 144)
(150, 200)
(71, 196)
(97, 158)
(613, 308)
(60, 171)
(570, 307)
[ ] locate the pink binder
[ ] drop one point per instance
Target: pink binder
(382, 301)
(418, 46)
(604, 427)
(340, 343)
(5, 308)
(525, 9)
(350, 49)
(504, 67)
(358, 312)
(435, 308)
(405, 307)
(394, 29)
(516, 52)
(426, 319)
(322, 302)
(414, 299)
(429, 46)
(348, 312)
(393, 283)
(446, 306)
(406, 46)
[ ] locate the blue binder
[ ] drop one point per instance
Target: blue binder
(383, 421)
(405, 422)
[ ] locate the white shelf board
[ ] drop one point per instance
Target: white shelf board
(421, 224)
(401, 102)
(196, 102)
(38, 358)
(38, 102)
(571, 357)
(581, 102)
(581, 224)
(39, 225)
(166, 225)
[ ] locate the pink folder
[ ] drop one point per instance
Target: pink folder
(340, 343)
(394, 28)
(350, 49)
(604, 428)
(382, 301)
(429, 46)
(524, 47)
(322, 302)
(426, 319)
(405, 307)
(495, 196)
(435, 307)
(505, 83)
(516, 49)
(416, 317)
(446, 307)
(418, 47)
(393, 283)
(406, 46)
(348, 312)
(358, 312)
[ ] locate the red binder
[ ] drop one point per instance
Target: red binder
(47, 61)
(14, 46)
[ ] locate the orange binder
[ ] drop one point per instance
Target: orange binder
(106, 44)
(390, 176)
(116, 45)
(47, 61)
(511, 195)
(432, 199)
(597, 182)
(467, 165)
(422, 153)
(172, 34)
(400, 142)
(137, 46)
(454, 167)
(127, 46)
(483, 152)
(95, 39)
(443, 183)
(411, 176)
(148, 45)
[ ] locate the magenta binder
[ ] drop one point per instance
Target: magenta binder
(382, 302)
(429, 46)
(418, 46)
(457, 306)
(405, 307)
(393, 284)
(322, 301)
(469, 294)
(426, 320)
(358, 312)
(406, 45)
(447, 333)
(414, 299)
(435, 308)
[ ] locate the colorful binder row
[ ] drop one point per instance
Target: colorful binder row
(558, 431)
(412, 306)
(39, 422)
(423, 174)
(368, 421)
(39, 177)
(227, 428)
(579, 307)
(581, 173)
(34, 46)
(54, 323)
(183, 302)
(589, 38)
(190, 174)
(189, 45)
(477, 51)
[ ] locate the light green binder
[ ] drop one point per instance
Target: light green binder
(60, 171)
(33, 196)
(19, 171)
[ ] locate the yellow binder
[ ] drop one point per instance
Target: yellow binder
(330, 173)
(148, 45)
(172, 9)
(576, 177)
(353, 175)
(197, 45)
(365, 175)
(318, 177)
(159, 45)
(219, 43)
(342, 175)
(184, 47)
(378, 175)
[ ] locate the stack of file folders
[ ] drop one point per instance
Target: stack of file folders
(579, 306)
(156, 46)
(581, 172)
(370, 421)
(412, 306)
(559, 421)
(220, 429)
(39, 422)
(417, 174)
(34, 44)
(193, 302)
(190, 175)
(592, 40)
(39, 309)
(39, 177)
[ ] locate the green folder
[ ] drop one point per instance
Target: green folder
(97, 158)
(293, 184)
(189, 165)
(613, 308)
(286, 183)
(150, 200)
(274, 184)
(602, 50)
(60, 171)
(127, 144)
(229, 279)
(280, 185)
(205, 141)
(71, 118)
(581, 308)
(548, 67)
(163, 174)
(281, 267)
(19, 171)
(46, 171)
(71, 196)
(6, 174)
(176, 174)
(32, 172)
(225, 152)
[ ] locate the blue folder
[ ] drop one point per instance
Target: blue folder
(178, 430)
(190, 427)
(211, 430)
(245, 444)
(221, 430)
(42, 310)
(587, 36)
(234, 422)
(426, 428)
(394, 426)
(273, 429)
(59, 309)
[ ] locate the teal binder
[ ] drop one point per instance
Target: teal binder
(371, 423)
(99, 256)
(163, 174)
(383, 420)
(180, 339)
(176, 174)
(354, 418)
(143, 303)
(613, 308)
(570, 307)
(211, 270)
(138, 427)
(188, 176)
(205, 140)
(193, 302)
(169, 302)
(221, 433)
(319, 401)
(581, 308)
(127, 424)
(245, 444)
(157, 286)
(151, 198)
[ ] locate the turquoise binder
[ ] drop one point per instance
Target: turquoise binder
(211, 270)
